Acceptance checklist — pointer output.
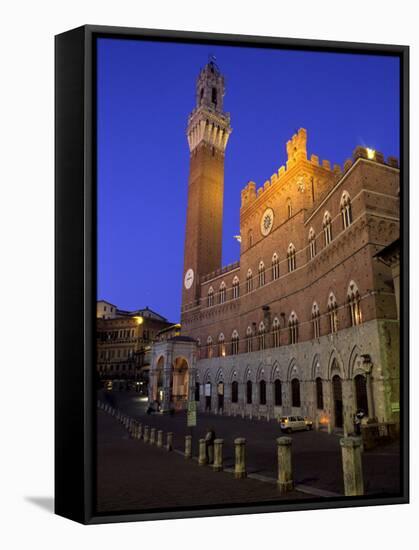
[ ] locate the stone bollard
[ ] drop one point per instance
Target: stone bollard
(285, 482)
(218, 455)
(160, 438)
(202, 459)
(329, 428)
(152, 436)
(146, 434)
(188, 446)
(352, 466)
(240, 455)
(169, 445)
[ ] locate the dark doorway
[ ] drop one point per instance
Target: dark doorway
(278, 393)
(197, 391)
(220, 391)
(249, 392)
(361, 393)
(337, 397)
(234, 392)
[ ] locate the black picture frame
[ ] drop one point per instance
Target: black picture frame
(75, 269)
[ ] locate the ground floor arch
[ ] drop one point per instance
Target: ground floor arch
(328, 380)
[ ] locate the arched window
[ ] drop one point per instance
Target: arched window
(249, 392)
(261, 273)
(293, 328)
(223, 293)
(236, 287)
(261, 335)
(278, 393)
(354, 304)
(234, 392)
(221, 345)
(275, 267)
(249, 280)
(345, 209)
(332, 308)
(250, 238)
(209, 347)
(262, 392)
(249, 340)
(319, 393)
(235, 343)
(327, 228)
(295, 393)
(312, 243)
(289, 208)
(275, 333)
(291, 257)
(315, 317)
(361, 393)
(210, 298)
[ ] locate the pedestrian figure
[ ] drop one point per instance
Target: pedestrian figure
(209, 445)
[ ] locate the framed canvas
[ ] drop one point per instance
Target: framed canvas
(231, 274)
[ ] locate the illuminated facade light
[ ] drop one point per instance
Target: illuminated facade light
(139, 320)
(370, 153)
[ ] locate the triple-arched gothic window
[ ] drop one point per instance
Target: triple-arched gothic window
(332, 308)
(235, 343)
(315, 318)
(291, 257)
(223, 293)
(293, 327)
(261, 335)
(354, 304)
(327, 228)
(210, 297)
(275, 333)
(249, 339)
(275, 267)
(236, 288)
(261, 273)
(346, 210)
(249, 280)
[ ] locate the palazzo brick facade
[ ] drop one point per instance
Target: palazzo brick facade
(306, 321)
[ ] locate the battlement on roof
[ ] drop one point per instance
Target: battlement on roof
(297, 152)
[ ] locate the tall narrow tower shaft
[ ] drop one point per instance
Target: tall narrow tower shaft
(208, 132)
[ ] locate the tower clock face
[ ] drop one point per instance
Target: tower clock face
(267, 221)
(189, 276)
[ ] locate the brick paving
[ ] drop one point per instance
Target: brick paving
(317, 461)
(133, 475)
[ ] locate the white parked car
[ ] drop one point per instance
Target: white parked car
(295, 423)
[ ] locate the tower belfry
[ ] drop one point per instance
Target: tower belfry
(207, 132)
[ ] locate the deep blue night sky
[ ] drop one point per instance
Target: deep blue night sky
(146, 91)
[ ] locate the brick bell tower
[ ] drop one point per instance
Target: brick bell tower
(208, 132)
